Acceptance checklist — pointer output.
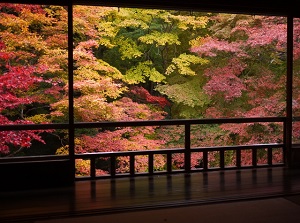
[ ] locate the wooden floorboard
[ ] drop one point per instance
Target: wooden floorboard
(141, 193)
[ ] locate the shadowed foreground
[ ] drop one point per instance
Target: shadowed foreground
(230, 194)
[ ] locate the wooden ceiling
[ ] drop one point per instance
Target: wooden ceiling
(287, 7)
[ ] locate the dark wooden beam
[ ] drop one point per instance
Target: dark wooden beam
(231, 6)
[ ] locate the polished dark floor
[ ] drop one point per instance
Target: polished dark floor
(120, 195)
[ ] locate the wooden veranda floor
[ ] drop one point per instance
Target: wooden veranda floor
(144, 193)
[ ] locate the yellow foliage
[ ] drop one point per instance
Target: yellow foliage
(39, 118)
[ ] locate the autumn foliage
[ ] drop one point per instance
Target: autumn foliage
(140, 64)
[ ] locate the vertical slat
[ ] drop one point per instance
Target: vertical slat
(93, 167)
(222, 159)
(132, 165)
(270, 156)
(112, 165)
(205, 160)
(238, 158)
(254, 157)
(187, 153)
(150, 163)
(169, 162)
(285, 160)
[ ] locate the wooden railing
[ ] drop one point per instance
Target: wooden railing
(186, 151)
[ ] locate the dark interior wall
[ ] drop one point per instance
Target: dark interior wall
(35, 175)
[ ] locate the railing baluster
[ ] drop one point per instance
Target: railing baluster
(132, 164)
(150, 163)
(238, 158)
(254, 157)
(222, 159)
(93, 167)
(112, 165)
(187, 153)
(169, 162)
(205, 160)
(270, 156)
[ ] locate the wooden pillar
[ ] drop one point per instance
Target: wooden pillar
(71, 129)
(292, 157)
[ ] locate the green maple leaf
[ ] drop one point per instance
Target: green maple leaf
(141, 72)
(188, 93)
(182, 64)
(160, 39)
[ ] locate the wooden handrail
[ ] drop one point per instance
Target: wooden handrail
(186, 151)
(140, 123)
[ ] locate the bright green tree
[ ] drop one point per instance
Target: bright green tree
(151, 49)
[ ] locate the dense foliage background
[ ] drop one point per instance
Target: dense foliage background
(140, 64)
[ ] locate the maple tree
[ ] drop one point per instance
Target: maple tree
(142, 64)
(100, 94)
(151, 49)
(250, 78)
(26, 87)
(34, 59)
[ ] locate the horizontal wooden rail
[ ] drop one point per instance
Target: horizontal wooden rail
(140, 123)
(178, 122)
(176, 150)
(187, 151)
